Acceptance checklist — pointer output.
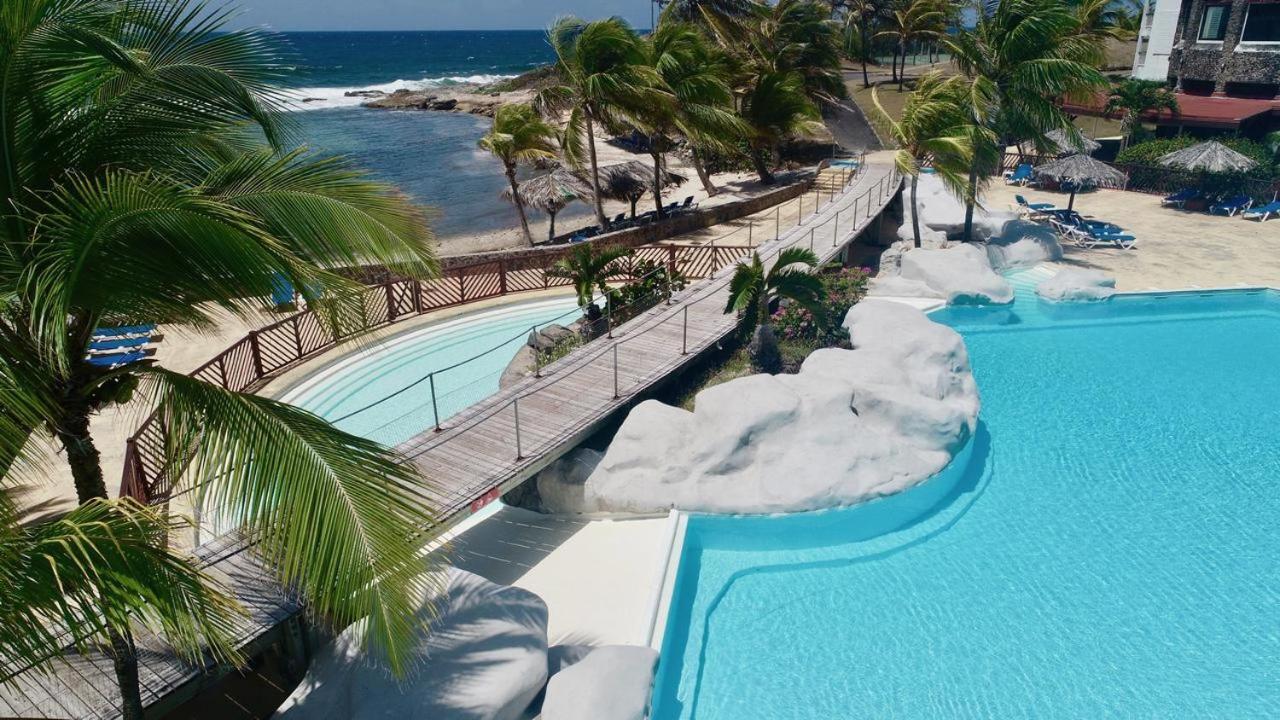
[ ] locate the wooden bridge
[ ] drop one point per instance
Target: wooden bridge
(477, 454)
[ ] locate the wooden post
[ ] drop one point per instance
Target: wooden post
(462, 286)
(502, 278)
(515, 408)
(684, 333)
(417, 297)
(256, 350)
(297, 335)
(389, 287)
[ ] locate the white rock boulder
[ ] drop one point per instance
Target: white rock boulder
(1077, 285)
(1023, 244)
(962, 274)
(485, 658)
(612, 682)
(940, 210)
(850, 426)
(900, 287)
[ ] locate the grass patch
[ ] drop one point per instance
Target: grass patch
(892, 100)
(731, 363)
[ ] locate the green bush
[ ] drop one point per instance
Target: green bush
(1148, 153)
(1145, 172)
(843, 289)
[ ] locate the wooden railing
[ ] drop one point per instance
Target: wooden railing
(265, 352)
(1160, 180)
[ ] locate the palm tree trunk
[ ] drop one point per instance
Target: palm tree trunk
(515, 198)
(866, 50)
(657, 179)
(915, 214)
(902, 73)
(595, 174)
(971, 199)
(701, 166)
(551, 233)
(86, 471)
(762, 168)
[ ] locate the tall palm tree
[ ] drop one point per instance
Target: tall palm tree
(590, 268)
(1131, 98)
(698, 102)
(911, 21)
(601, 75)
(775, 107)
(519, 135)
(799, 36)
(132, 193)
(1020, 59)
(753, 290)
(862, 14)
(932, 128)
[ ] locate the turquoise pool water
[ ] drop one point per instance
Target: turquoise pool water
(1110, 549)
(468, 354)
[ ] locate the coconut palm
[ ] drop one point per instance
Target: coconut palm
(799, 36)
(933, 128)
(601, 75)
(753, 290)
(775, 107)
(911, 21)
(1021, 58)
(519, 135)
(1131, 98)
(698, 106)
(133, 193)
(590, 268)
(862, 14)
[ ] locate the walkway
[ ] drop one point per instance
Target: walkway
(496, 444)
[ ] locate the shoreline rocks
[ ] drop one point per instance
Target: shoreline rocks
(471, 99)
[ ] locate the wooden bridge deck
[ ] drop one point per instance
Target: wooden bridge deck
(498, 443)
(480, 453)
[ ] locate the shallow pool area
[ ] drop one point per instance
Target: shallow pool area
(382, 392)
(1106, 547)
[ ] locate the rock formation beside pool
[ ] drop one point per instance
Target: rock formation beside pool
(485, 658)
(962, 274)
(1077, 285)
(1023, 244)
(613, 682)
(941, 211)
(850, 426)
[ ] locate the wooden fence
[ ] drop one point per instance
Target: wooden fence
(1160, 180)
(265, 352)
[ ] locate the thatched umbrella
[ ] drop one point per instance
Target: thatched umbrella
(1080, 170)
(1210, 156)
(551, 192)
(1065, 144)
(630, 180)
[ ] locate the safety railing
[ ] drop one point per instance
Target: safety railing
(271, 350)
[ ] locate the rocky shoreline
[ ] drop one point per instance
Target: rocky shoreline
(462, 98)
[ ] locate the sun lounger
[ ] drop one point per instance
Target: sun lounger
(1020, 176)
(687, 204)
(1231, 205)
(622, 217)
(1181, 197)
(1099, 237)
(115, 360)
(119, 344)
(124, 331)
(1262, 212)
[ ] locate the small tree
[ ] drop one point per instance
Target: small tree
(1131, 98)
(916, 20)
(753, 290)
(519, 135)
(590, 269)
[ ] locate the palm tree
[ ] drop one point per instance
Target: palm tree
(132, 193)
(799, 36)
(775, 107)
(914, 20)
(933, 128)
(861, 15)
(1131, 98)
(698, 102)
(1022, 56)
(601, 75)
(519, 135)
(753, 290)
(590, 269)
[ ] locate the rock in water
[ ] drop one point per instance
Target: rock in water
(1077, 285)
(850, 426)
(1023, 244)
(485, 658)
(612, 682)
(961, 273)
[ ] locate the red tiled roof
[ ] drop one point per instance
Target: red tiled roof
(1200, 110)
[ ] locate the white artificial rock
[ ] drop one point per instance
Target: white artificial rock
(850, 426)
(898, 286)
(1077, 285)
(962, 274)
(940, 210)
(485, 658)
(612, 682)
(561, 483)
(1023, 244)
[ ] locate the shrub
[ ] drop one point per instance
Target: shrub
(1145, 172)
(843, 289)
(635, 297)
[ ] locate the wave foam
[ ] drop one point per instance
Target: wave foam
(320, 98)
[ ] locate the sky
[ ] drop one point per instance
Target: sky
(288, 15)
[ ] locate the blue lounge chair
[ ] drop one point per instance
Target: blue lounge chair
(1094, 237)
(115, 360)
(1262, 212)
(1034, 206)
(1020, 176)
(1181, 197)
(116, 344)
(1232, 205)
(123, 331)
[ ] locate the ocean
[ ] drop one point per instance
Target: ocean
(432, 156)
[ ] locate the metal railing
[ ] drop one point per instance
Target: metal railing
(148, 474)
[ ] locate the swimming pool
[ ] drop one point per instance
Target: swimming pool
(402, 361)
(1107, 549)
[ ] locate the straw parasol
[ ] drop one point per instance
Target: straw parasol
(630, 181)
(1066, 144)
(1080, 170)
(1210, 156)
(551, 192)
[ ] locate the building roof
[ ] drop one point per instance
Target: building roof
(1194, 110)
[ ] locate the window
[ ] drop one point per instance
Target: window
(1262, 24)
(1213, 24)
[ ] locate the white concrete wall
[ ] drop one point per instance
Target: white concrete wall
(1155, 39)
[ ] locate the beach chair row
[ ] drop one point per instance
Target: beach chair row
(1075, 229)
(113, 347)
(622, 222)
(1229, 205)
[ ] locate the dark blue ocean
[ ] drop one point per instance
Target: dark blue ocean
(432, 156)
